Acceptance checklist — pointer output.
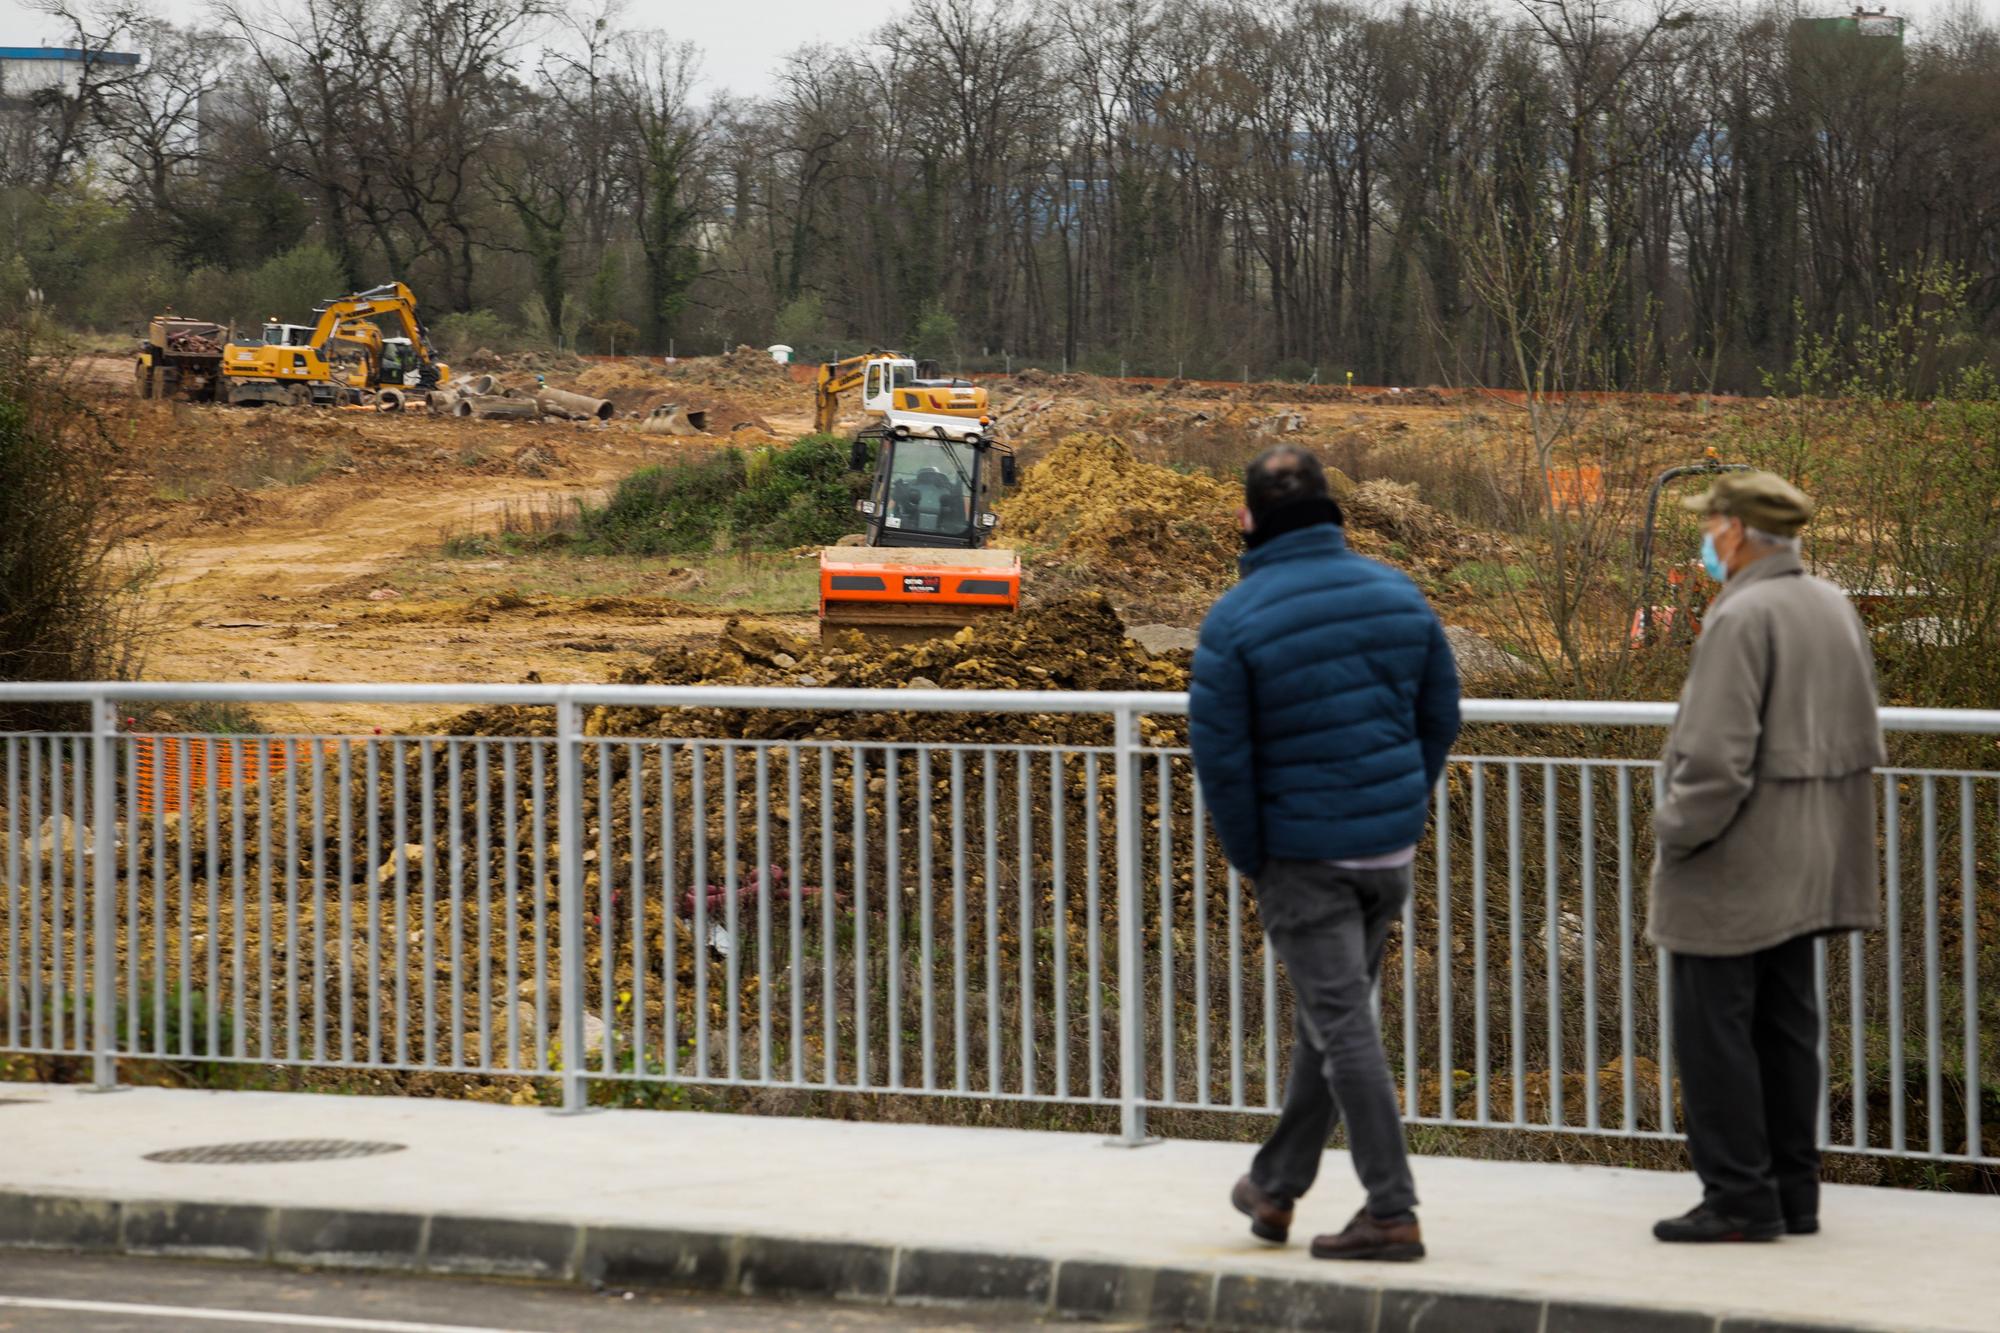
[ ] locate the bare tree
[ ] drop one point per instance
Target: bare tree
(1536, 233)
(65, 124)
(654, 99)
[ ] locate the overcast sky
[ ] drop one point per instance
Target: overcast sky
(743, 40)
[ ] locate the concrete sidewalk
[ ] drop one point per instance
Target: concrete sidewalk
(1059, 1222)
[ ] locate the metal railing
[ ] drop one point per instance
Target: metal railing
(616, 896)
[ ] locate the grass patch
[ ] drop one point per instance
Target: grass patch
(1492, 579)
(767, 582)
(721, 501)
(273, 461)
(203, 717)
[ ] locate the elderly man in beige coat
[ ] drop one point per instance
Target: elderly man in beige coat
(1766, 840)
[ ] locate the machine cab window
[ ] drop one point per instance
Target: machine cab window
(929, 491)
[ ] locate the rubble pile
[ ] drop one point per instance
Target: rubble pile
(1076, 643)
(1395, 510)
(743, 368)
(1133, 524)
(634, 385)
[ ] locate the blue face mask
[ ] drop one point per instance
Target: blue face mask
(1711, 559)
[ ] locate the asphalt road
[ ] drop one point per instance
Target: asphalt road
(41, 1291)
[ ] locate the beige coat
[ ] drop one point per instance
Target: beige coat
(1766, 820)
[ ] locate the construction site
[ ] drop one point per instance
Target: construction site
(415, 534)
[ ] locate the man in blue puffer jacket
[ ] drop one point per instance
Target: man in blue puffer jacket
(1324, 702)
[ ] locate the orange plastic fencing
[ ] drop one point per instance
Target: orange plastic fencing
(1575, 487)
(172, 773)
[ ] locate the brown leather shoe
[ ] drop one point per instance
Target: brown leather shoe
(1270, 1216)
(1366, 1238)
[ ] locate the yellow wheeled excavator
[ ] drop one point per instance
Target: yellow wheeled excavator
(925, 567)
(340, 357)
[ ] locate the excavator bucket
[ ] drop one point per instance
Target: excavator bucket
(905, 594)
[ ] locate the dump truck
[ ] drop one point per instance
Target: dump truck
(179, 358)
(924, 566)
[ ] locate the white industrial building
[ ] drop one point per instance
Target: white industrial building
(29, 72)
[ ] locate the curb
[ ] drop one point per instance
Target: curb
(773, 1265)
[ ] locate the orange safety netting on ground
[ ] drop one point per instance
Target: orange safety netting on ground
(170, 773)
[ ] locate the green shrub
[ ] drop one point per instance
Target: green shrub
(68, 611)
(802, 322)
(772, 498)
(670, 509)
(291, 284)
(801, 496)
(477, 330)
(936, 335)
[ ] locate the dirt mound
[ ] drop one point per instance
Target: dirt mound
(1394, 510)
(538, 460)
(1068, 381)
(744, 368)
(1038, 420)
(1091, 502)
(1077, 643)
(629, 385)
(1425, 397)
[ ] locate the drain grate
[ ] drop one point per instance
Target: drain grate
(273, 1150)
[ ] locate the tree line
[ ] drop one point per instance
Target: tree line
(1626, 193)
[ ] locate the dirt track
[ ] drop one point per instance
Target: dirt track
(300, 590)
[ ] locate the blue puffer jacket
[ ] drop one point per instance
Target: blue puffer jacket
(1323, 704)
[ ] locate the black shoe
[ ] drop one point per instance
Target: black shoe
(1802, 1226)
(1270, 1216)
(1703, 1225)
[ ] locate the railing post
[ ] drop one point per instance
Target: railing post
(104, 855)
(569, 899)
(1131, 986)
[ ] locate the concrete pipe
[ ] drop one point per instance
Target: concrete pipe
(575, 406)
(461, 407)
(674, 419)
(494, 408)
(389, 400)
(477, 386)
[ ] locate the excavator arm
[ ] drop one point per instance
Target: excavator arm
(835, 379)
(392, 299)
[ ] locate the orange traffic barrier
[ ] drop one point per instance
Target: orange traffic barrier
(172, 773)
(1575, 487)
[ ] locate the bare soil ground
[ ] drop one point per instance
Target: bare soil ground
(306, 546)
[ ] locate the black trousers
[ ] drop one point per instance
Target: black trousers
(1328, 925)
(1746, 1035)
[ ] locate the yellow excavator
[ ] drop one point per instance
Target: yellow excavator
(338, 358)
(925, 567)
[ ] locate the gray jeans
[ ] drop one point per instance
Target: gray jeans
(1328, 926)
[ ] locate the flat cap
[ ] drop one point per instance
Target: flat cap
(1763, 500)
